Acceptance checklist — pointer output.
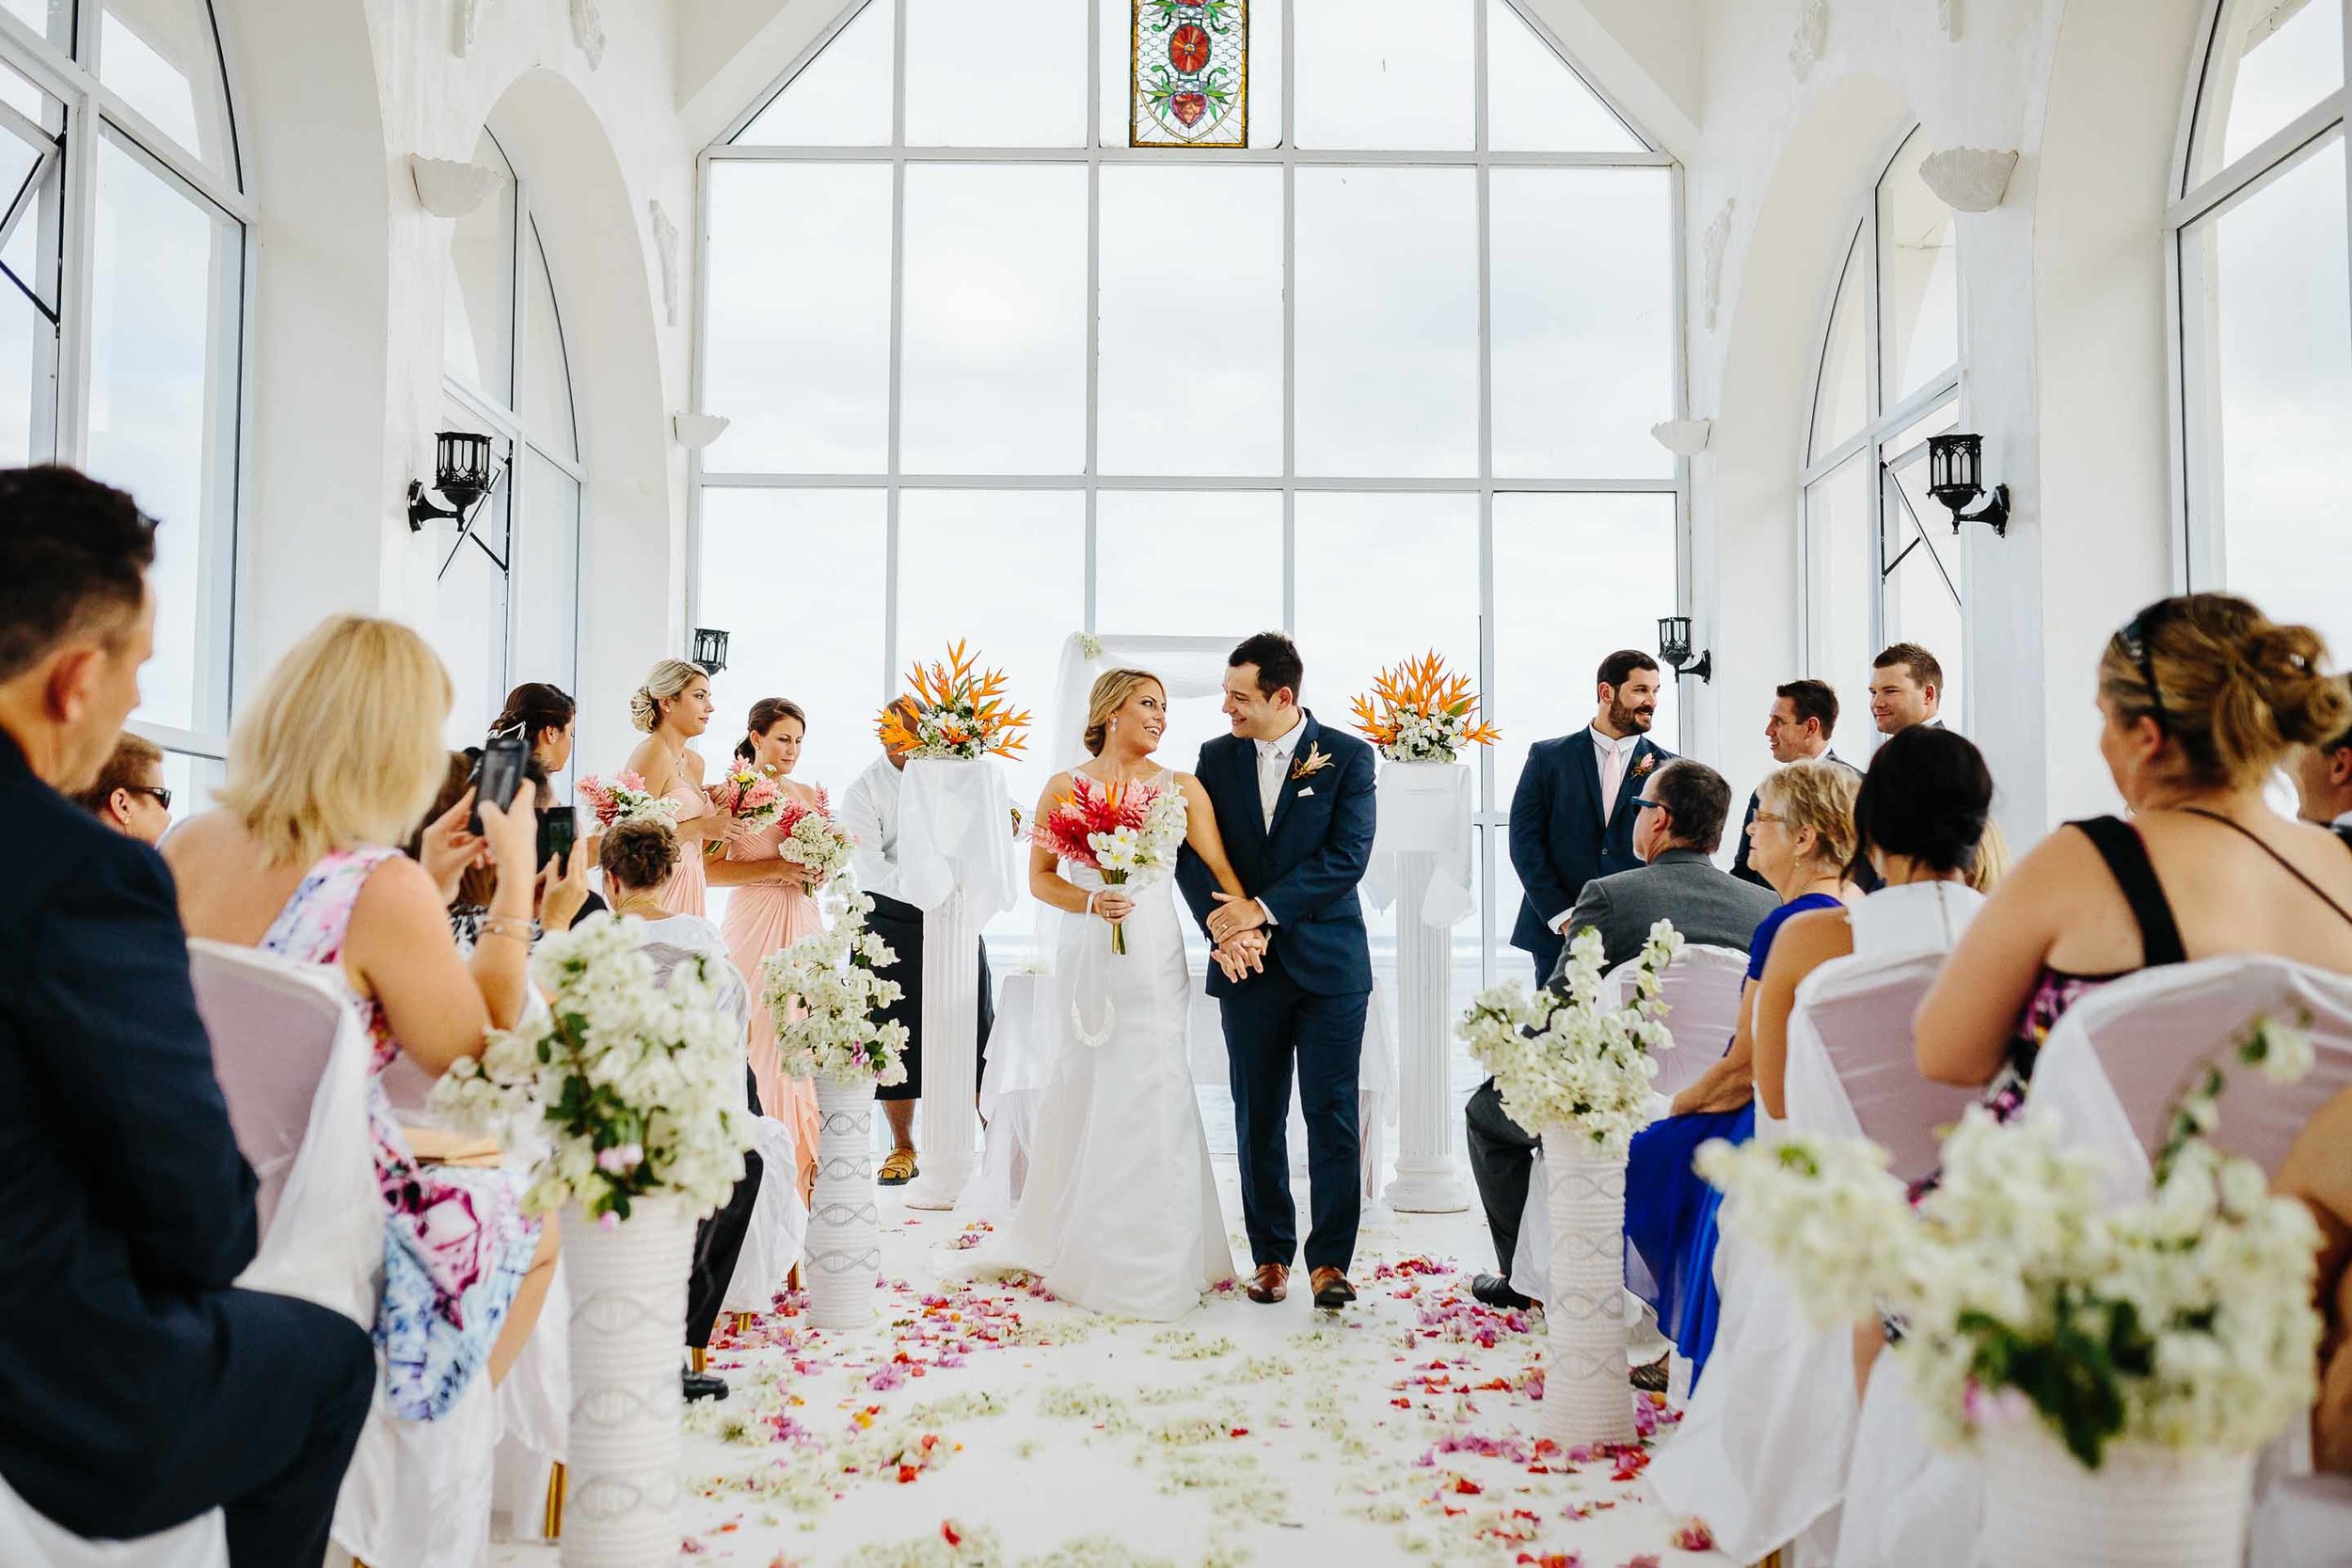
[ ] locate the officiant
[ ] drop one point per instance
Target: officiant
(870, 812)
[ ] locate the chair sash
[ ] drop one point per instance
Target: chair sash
(293, 1060)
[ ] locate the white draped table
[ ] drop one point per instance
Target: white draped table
(1421, 864)
(955, 863)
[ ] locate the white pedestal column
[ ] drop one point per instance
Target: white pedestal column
(1426, 1180)
(951, 1021)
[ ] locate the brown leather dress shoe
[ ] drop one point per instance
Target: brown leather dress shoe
(1270, 1283)
(1331, 1287)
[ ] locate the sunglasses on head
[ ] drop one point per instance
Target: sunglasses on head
(2134, 637)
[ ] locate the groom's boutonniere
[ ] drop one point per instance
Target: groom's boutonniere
(1649, 760)
(1312, 763)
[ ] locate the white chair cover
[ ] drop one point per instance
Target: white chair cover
(2303, 1521)
(533, 1413)
(28, 1540)
(1702, 992)
(1852, 1069)
(779, 1222)
(293, 1058)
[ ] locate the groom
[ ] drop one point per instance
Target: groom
(1294, 803)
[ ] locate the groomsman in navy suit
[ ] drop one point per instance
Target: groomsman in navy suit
(1572, 816)
(1295, 803)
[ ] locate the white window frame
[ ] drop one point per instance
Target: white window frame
(93, 110)
(2199, 555)
(1879, 425)
(1493, 814)
(515, 440)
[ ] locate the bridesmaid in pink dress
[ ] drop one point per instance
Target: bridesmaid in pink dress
(767, 916)
(672, 708)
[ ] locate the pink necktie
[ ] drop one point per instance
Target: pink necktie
(1612, 775)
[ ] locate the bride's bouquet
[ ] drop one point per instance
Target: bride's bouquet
(625, 798)
(1116, 830)
(1578, 1062)
(954, 711)
(1416, 712)
(813, 839)
(746, 795)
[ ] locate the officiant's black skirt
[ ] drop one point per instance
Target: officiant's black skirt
(901, 926)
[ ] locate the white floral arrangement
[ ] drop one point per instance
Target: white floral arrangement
(822, 993)
(637, 1089)
(815, 839)
(1574, 1060)
(2183, 1321)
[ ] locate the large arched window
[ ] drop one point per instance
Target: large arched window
(2264, 312)
(1883, 564)
(121, 309)
(1384, 374)
(506, 604)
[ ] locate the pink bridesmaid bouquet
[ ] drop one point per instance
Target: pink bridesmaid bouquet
(747, 796)
(625, 798)
(813, 839)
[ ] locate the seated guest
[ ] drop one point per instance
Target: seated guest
(638, 859)
(1919, 820)
(562, 896)
(1802, 841)
(330, 767)
(128, 795)
(137, 1388)
(2323, 780)
(1992, 859)
(2318, 1170)
(545, 717)
(1678, 822)
(2202, 697)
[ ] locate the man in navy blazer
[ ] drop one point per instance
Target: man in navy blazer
(1294, 804)
(138, 1388)
(1567, 827)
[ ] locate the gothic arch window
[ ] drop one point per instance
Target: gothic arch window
(1882, 562)
(1384, 373)
(2264, 311)
(506, 604)
(122, 276)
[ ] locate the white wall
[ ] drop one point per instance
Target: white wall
(2063, 338)
(346, 357)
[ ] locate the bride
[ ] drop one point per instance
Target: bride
(1118, 1213)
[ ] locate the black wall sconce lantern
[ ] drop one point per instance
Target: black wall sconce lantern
(710, 649)
(1674, 646)
(461, 474)
(1956, 478)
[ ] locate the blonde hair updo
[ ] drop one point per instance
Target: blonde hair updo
(2236, 691)
(670, 678)
(1817, 795)
(343, 745)
(1112, 690)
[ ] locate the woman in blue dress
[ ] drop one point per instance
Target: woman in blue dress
(1800, 841)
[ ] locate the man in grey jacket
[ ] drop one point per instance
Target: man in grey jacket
(1681, 810)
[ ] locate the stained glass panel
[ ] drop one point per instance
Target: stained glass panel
(1189, 73)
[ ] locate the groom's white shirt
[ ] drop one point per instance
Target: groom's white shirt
(1274, 765)
(870, 810)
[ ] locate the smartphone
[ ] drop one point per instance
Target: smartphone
(499, 776)
(558, 828)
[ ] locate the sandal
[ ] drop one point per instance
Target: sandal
(898, 1170)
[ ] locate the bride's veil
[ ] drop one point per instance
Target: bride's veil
(1034, 1022)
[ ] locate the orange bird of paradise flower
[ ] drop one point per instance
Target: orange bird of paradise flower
(1420, 688)
(967, 703)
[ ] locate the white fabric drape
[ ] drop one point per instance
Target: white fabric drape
(1424, 808)
(955, 832)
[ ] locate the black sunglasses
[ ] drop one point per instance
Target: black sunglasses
(161, 796)
(1640, 804)
(2135, 638)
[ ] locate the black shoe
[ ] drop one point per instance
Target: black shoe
(705, 1385)
(1492, 1289)
(1649, 1378)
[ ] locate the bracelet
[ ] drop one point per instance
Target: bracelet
(1090, 898)
(513, 927)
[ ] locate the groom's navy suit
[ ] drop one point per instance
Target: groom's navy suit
(1559, 841)
(1309, 1004)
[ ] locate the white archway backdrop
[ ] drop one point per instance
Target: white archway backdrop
(1032, 1002)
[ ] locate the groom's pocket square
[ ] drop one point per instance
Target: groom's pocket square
(1304, 793)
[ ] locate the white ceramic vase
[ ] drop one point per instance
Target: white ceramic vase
(1587, 1397)
(627, 1290)
(2143, 1508)
(843, 1253)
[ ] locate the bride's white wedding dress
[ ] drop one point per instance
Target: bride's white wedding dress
(1120, 1213)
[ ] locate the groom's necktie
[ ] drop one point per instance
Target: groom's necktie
(1269, 780)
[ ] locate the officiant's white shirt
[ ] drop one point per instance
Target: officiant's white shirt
(869, 809)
